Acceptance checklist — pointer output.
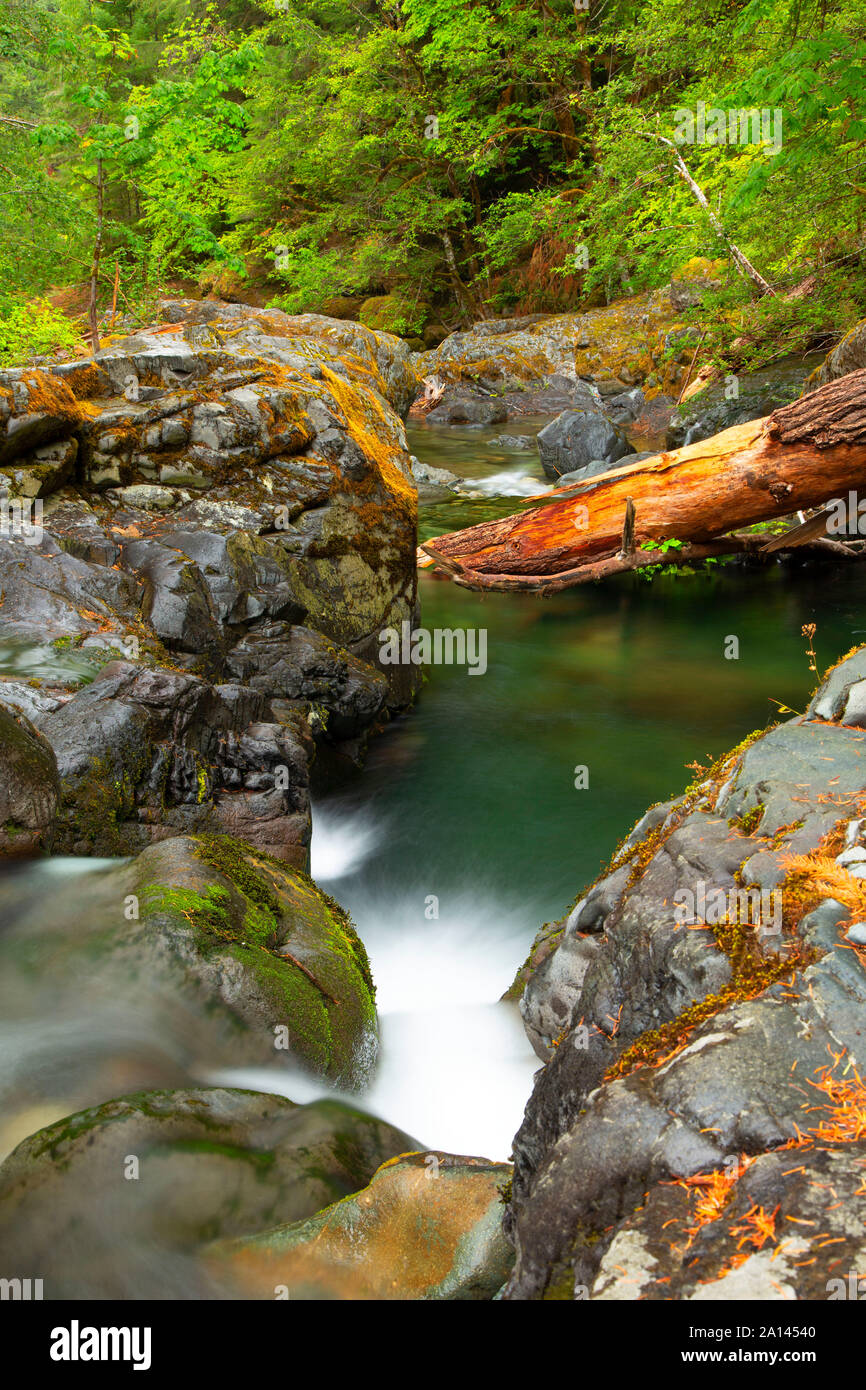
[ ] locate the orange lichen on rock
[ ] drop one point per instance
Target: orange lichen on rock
(368, 425)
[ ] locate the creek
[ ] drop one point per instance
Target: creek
(466, 831)
(468, 808)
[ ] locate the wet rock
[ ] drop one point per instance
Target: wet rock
(663, 1252)
(512, 441)
(578, 440)
(201, 947)
(29, 787)
(41, 471)
(847, 356)
(175, 600)
(427, 1227)
(624, 406)
(735, 401)
(598, 466)
(842, 688)
(138, 765)
(297, 664)
(146, 753)
(292, 427)
(34, 409)
(434, 484)
(460, 408)
(113, 1201)
(714, 1086)
(57, 595)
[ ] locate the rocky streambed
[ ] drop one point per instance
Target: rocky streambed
(189, 644)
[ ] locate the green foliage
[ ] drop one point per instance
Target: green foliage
(32, 329)
(438, 152)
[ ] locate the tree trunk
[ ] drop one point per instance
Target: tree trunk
(799, 457)
(97, 253)
(741, 261)
(463, 294)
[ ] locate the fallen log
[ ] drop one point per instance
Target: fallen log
(797, 458)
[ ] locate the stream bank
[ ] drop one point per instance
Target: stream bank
(465, 831)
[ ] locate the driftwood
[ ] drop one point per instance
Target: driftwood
(799, 457)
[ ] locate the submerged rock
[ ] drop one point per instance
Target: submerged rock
(434, 484)
(427, 1227)
(113, 1201)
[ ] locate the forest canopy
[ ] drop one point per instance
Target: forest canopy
(435, 161)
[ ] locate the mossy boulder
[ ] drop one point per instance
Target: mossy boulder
(849, 355)
(280, 953)
(200, 953)
(35, 408)
(29, 787)
(693, 280)
(390, 313)
(111, 1201)
(624, 342)
(429, 1226)
(341, 306)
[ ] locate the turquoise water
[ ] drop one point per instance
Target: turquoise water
(465, 831)
(628, 679)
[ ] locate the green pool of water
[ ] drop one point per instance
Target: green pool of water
(629, 679)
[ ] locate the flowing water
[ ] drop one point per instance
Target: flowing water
(466, 831)
(468, 808)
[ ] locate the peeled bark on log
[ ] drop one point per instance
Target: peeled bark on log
(799, 457)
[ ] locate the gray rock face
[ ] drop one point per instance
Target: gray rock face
(656, 937)
(598, 466)
(112, 1202)
(736, 401)
(434, 484)
(517, 442)
(29, 787)
(461, 408)
(847, 356)
(290, 426)
(282, 575)
(653, 1255)
(294, 663)
(577, 439)
(144, 754)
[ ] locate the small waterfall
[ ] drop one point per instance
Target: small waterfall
(455, 1068)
